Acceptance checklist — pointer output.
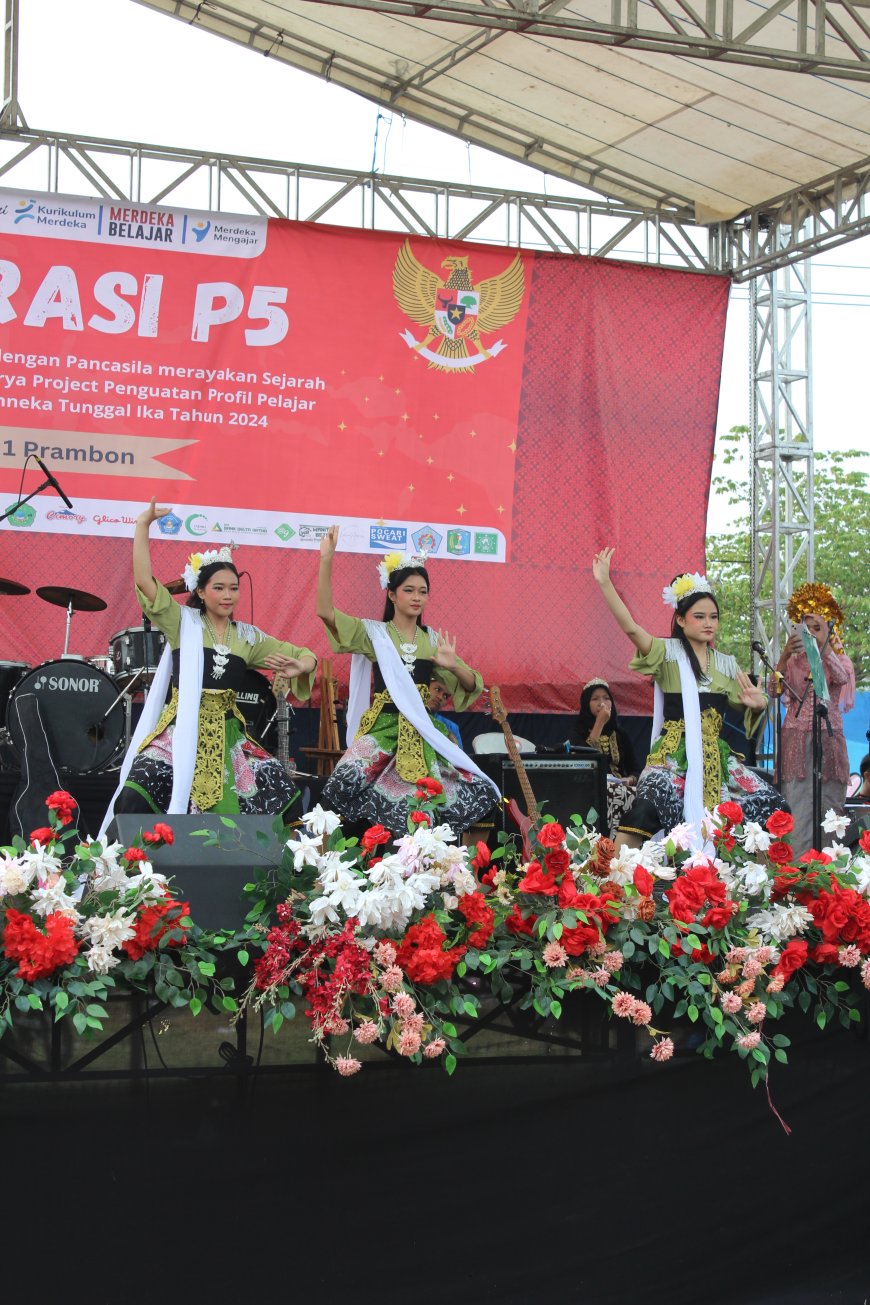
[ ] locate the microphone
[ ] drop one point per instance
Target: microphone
(51, 480)
(758, 647)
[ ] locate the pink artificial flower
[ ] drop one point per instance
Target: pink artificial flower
(613, 961)
(434, 1048)
(642, 1013)
(662, 1050)
(385, 952)
(403, 1005)
(415, 1022)
(849, 956)
(757, 1012)
(336, 1024)
(730, 1003)
(751, 968)
(409, 1042)
(601, 977)
(764, 955)
(554, 955)
(576, 973)
(777, 983)
(391, 979)
(347, 1065)
(366, 1032)
(865, 974)
(749, 1040)
(623, 1004)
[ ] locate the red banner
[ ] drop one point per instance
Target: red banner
(266, 378)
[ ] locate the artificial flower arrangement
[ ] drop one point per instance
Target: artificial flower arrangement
(80, 919)
(725, 928)
(379, 935)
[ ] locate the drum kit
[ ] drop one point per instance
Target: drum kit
(89, 705)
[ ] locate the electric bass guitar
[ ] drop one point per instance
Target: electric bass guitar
(523, 821)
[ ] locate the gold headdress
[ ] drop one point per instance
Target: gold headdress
(817, 600)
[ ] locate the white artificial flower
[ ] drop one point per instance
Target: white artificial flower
(860, 867)
(780, 922)
(834, 823)
(306, 851)
(684, 838)
(47, 898)
(41, 863)
(318, 821)
(108, 931)
(321, 910)
(755, 839)
(754, 879)
(101, 959)
(622, 866)
(147, 881)
(836, 850)
(16, 875)
(450, 902)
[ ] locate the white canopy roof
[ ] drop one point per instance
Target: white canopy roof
(704, 137)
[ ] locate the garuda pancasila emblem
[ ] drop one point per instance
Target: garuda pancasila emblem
(455, 312)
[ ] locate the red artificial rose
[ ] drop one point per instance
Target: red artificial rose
(779, 853)
(419, 818)
(792, 957)
(63, 803)
(482, 857)
(719, 917)
(431, 787)
(473, 906)
(825, 954)
(723, 839)
(516, 925)
(134, 854)
(374, 837)
(568, 895)
(779, 823)
(807, 858)
(161, 833)
(557, 861)
(551, 835)
(535, 881)
(643, 881)
(43, 835)
(864, 841)
(731, 811)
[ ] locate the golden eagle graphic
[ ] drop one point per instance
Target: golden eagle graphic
(456, 312)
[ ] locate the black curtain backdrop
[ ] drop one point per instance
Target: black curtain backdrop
(514, 1184)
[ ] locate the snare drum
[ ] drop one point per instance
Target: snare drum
(129, 655)
(84, 724)
(104, 663)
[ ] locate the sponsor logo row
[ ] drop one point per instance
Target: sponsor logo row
(457, 542)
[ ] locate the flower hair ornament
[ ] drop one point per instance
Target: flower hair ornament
(690, 583)
(197, 561)
(813, 599)
(391, 562)
(597, 682)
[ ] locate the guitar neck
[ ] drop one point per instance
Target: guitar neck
(500, 715)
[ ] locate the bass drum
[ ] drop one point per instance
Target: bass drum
(256, 702)
(84, 724)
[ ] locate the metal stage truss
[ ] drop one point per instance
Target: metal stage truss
(764, 245)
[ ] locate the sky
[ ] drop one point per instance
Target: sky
(113, 68)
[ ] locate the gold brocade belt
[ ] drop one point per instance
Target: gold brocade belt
(410, 757)
(208, 771)
(607, 744)
(711, 727)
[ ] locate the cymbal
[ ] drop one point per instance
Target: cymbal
(11, 588)
(175, 586)
(81, 600)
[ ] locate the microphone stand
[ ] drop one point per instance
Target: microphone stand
(46, 484)
(781, 685)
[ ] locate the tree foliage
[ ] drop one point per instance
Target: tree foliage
(841, 538)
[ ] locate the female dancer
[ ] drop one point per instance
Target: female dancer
(195, 754)
(395, 741)
(815, 606)
(690, 766)
(598, 726)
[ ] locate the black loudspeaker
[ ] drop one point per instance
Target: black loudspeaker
(563, 786)
(210, 879)
(859, 815)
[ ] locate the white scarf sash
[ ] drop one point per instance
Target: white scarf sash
(186, 730)
(693, 796)
(406, 697)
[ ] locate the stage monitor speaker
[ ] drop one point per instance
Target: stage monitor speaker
(859, 817)
(211, 879)
(563, 786)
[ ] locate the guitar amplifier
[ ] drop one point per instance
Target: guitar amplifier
(563, 786)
